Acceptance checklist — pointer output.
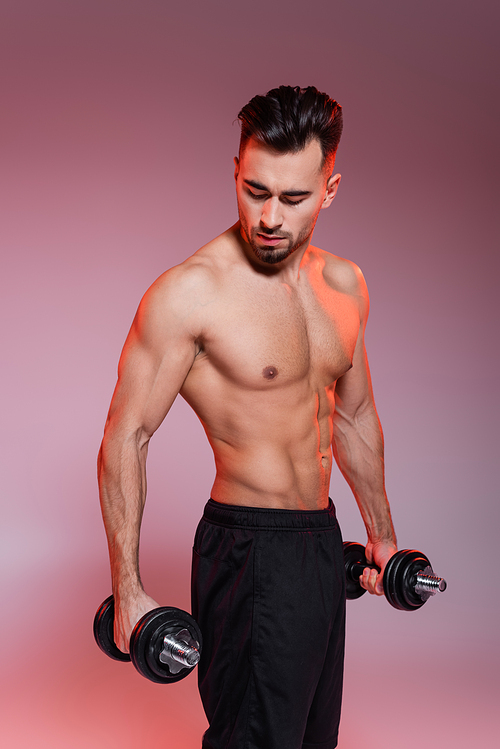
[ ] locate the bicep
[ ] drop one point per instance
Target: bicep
(353, 391)
(157, 356)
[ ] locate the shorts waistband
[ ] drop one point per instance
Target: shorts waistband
(237, 516)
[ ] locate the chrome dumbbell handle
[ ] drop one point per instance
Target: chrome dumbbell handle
(428, 584)
(179, 651)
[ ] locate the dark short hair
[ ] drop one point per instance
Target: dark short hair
(289, 117)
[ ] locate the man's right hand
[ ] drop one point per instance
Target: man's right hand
(128, 611)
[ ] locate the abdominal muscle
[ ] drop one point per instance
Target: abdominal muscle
(272, 449)
(271, 477)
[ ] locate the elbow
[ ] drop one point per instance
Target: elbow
(120, 439)
(104, 459)
(350, 413)
(99, 460)
(359, 420)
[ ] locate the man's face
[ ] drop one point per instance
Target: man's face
(280, 196)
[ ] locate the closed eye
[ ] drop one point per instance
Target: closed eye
(284, 199)
(292, 202)
(255, 196)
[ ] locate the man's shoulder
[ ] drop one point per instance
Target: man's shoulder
(343, 275)
(191, 279)
(195, 279)
(182, 292)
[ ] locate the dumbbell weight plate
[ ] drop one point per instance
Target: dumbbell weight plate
(103, 630)
(353, 554)
(400, 577)
(146, 642)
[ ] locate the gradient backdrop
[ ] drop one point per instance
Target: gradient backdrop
(117, 141)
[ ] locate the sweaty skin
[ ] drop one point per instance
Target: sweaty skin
(271, 357)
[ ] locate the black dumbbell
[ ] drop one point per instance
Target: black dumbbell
(409, 580)
(165, 644)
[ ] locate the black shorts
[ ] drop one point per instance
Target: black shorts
(268, 591)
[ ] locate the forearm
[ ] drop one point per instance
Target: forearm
(122, 485)
(358, 448)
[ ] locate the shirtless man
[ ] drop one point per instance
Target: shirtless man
(263, 335)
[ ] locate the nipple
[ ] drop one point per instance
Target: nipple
(269, 373)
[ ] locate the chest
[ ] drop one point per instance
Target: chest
(278, 335)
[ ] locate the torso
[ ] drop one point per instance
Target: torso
(263, 380)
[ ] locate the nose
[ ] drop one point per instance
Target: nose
(271, 217)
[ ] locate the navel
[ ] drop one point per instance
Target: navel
(269, 373)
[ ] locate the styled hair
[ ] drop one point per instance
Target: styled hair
(289, 117)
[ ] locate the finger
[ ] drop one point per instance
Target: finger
(368, 580)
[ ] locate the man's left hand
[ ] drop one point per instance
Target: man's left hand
(379, 553)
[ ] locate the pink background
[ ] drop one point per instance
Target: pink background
(118, 136)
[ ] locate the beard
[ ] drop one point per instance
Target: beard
(273, 255)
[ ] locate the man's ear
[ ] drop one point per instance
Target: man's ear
(331, 189)
(236, 167)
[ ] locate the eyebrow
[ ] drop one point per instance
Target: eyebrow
(287, 193)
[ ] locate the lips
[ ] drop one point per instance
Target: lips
(270, 239)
